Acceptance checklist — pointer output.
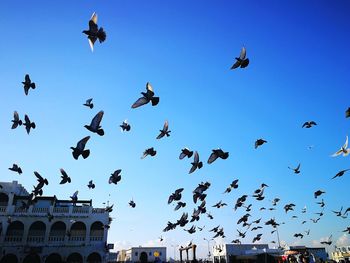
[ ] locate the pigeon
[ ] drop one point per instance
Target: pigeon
(109, 209)
(115, 177)
(79, 149)
(176, 196)
(322, 204)
(160, 239)
(91, 185)
(16, 121)
(185, 152)
(248, 208)
(215, 229)
(170, 226)
(74, 197)
(241, 61)
(200, 228)
(341, 173)
(28, 84)
(315, 220)
(146, 97)
(338, 213)
(94, 32)
(89, 103)
(343, 150)
(191, 230)
(95, 124)
(255, 228)
(132, 204)
(288, 207)
(347, 230)
(125, 126)
(347, 113)
(318, 193)
(275, 201)
(259, 142)
(257, 238)
(16, 168)
(183, 220)
(309, 124)
(210, 216)
(296, 170)
(65, 177)
(149, 151)
(195, 215)
(218, 153)
(179, 205)
(196, 163)
(234, 184)
(219, 204)
(28, 124)
(228, 189)
(41, 180)
(299, 235)
(303, 210)
(164, 131)
(328, 242)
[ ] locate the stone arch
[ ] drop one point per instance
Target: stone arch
(32, 258)
(4, 199)
(9, 258)
(143, 257)
(96, 231)
(57, 231)
(36, 232)
(54, 258)
(94, 258)
(14, 232)
(78, 231)
(75, 258)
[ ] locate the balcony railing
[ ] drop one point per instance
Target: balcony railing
(77, 238)
(3, 209)
(98, 210)
(96, 238)
(60, 210)
(35, 239)
(13, 239)
(43, 210)
(53, 239)
(80, 210)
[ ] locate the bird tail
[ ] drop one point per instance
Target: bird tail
(91, 105)
(85, 154)
(75, 154)
(32, 85)
(155, 101)
(200, 165)
(100, 132)
(33, 125)
(128, 128)
(101, 35)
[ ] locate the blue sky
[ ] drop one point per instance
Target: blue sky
(299, 65)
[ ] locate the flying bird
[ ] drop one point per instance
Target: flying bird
(94, 32)
(257, 238)
(259, 142)
(309, 124)
(196, 163)
(28, 124)
(95, 124)
(65, 177)
(219, 204)
(176, 196)
(28, 84)
(347, 113)
(299, 235)
(343, 150)
(80, 149)
(146, 97)
(89, 103)
(179, 205)
(185, 152)
(132, 204)
(241, 61)
(341, 173)
(328, 242)
(164, 131)
(16, 168)
(41, 180)
(296, 170)
(125, 126)
(218, 153)
(191, 230)
(115, 177)
(74, 197)
(318, 193)
(16, 121)
(234, 184)
(149, 151)
(91, 185)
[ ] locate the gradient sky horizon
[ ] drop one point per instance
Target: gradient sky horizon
(299, 71)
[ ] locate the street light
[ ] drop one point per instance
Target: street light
(208, 246)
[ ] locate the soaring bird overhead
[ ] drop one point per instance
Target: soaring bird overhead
(318, 193)
(147, 97)
(296, 170)
(343, 150)
(327, 242)
(340, 173)
(41, 180)
(125, 126)
(217, 153)
(95, 124)
(91, 185)
(179, 205)
(115, 177)
(241, 61)
(196, 163)
(309, 124)
(28, 124)
(176, 196)
(74, 197)
(89, 103)
(16, 168)
(94, 32)
(65, 177)
(164, 131)
(185, 152)
(259, 142)
(28, 84)
(132, 204)
(16, 121)
(149, 151)
(80, 149)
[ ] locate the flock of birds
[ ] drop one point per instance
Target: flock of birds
(246, 223)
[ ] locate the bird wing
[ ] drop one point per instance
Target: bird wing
(95, 123)
(26, 118)
(15, 116)
(196, 157)
(75, 195)
(82, 142)
(92, 42)
(298, 167)
(182, 155)
(27, 78)
(337, 153)
(38, 176)
(166, 126)
(63, 172)
(141, 101)
(243, 53)
(345, 146)
(89, 101)
(212, 158)
(149, 87)
(94, 18)
(236, 64)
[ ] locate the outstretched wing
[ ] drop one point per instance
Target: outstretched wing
(94, 18)
(141, 101)
(243, 53)
(82, 142)
(345, 146)
(40, 178)
(196, 157)
(95, 123)
(26, 118)
(27, 78)
(149, 87)
(63, 172)
(166, 126)
(15, 116)
(212, 157)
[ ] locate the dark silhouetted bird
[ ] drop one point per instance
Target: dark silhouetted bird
(170, 226)
(95, 124)
(259, 142)
(41, 180)
(338, 213)
(241, 61)
(79, 149)
(160, 239)
(299, 235)
(236, 241)
(191, 230)
(183, 220)
(132, 204)
(89, 103)
(28, 124)
(179, 205)
(196, 163)
(109, 209)
(322, 204)
(219, 204)
(241, 234)
(256, 228)
(327, 242)
(315, 220)
(125, 126)
(16, 168)
(164, 131)
(176, 196)
(210, 216)
(275, 201)
(91, 185)
(65, 177)
(115, 177)
(318, 193)
(16, 121)
(74, 197)
(234, 184)
(147, 97)
(200, 228)
(94, 32)
(296, 170)
(309, 124)
(185, 152)
(341, 173)
(289, 207)
(218, 153)
(149, 151)
(28, 84)
(347, 230)
(347, 113)
(257, 238)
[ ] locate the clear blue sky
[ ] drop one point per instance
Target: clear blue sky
(299, 71)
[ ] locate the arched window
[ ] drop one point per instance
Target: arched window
(53, 258)
(94, 258)
(75, 258)
(77, 232)
(4, 199)
(96, 231)
(57, 232)
(32, 258)
(36, 232)
(14, 232)
(9, 258)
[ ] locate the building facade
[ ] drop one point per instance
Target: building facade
(341, 254)
(71, 233)
(316, 252)
(143, 254)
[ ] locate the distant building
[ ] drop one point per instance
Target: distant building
(341, 254)
(74, 234)
(317, 252)
(143, 254)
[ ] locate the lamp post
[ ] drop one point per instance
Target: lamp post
(174, 246)
(208, 246)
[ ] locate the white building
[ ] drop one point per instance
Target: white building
(143, 254)
(75, 234)
(341, 254)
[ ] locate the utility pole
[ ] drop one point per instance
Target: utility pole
(208, 247)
